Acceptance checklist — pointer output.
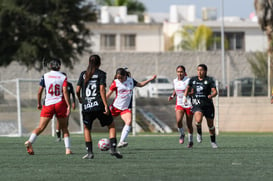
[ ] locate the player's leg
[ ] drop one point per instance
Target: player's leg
(35, 133)
(198, 121)
(209, 114)
(58, 131)
(179, 113)
(189, 117)
(127, 118)
(88, 120)
(64, 128)
(113, 140)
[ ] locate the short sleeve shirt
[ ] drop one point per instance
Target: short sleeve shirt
(124, 92)
(201, 90)
(180, 87)
(91, 91)
(53, 82)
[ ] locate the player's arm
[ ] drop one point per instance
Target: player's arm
(78, 93)
(39, 97)
(213, 93)
(103, 97)
(143, 83)
(66, 98)
(172, 96)
(73, 97)
(109, 93)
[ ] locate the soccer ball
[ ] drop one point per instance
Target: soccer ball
(104, 144)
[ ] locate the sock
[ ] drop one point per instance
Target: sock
(58, 133)
(89, 147)
(67, 142)
(181, 130)
(213, 138)
(199, 129)
(190, 137)
(32, 138)
(113, 143)
(124, 133)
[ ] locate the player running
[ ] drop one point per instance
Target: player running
(92, 95)
(56, 102)
(203, 89)
(123, 85)
(181, 108)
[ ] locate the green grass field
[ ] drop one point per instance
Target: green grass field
(240, 156)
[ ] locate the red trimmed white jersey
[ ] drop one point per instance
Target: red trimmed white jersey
(180, 87)
(53, 82)
(124, 92)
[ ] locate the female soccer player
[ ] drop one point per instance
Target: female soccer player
(123, 85)
(56, 102)
(181, 108)
(92, 95)
(203, 89)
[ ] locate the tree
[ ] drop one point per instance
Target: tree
(133, 6)
(195, 38)
(258, 63)
(31, 31)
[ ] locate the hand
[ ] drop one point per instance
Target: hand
(184, 100)
(73, 105)
(39, 106)
(210, 96)
(154, 77)
(67, 111)
(106, 110)
(170, 98)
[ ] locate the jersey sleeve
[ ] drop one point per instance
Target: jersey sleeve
(65, 82)
(80, 81)
(212, 82)
(102, 78)
(135, 82)
(42, 81)
(113, 86)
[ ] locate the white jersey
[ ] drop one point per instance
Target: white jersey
(124, 92)
(53, 82)
(180, 87)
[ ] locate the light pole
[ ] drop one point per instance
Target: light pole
(223, 45)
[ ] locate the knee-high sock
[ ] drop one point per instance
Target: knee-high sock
(124, 134)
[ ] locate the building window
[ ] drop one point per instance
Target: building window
(128, 42)
(108, 42)
(233, 41)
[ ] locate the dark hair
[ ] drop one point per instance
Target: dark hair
(203, 66)
(54, 64)
(94, 63)
(181, 66)
(121, 71)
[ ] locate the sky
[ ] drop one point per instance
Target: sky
(241, 8)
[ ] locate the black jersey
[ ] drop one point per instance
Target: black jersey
(201, 90)
(70, 91)
(91, 91)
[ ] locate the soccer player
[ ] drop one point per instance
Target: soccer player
(56, 102)
(92, 95)
(181, 108)
(123, 85)
(71, 92)
(203, 89)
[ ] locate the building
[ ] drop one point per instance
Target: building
(118, 32)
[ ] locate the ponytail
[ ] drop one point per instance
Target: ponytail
(94, 63)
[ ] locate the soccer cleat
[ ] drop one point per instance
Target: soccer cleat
(68, 152)
(214, 145)
(122, 144)
(199, 138)
(28, 145)
(190, 145)
(181, 139)
(88, 156)
(58, 139)
(116, 154)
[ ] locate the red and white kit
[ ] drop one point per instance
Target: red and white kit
(124, 92)
(180, 87)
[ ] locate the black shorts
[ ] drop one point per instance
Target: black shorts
(89, 117)
(207, 110)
